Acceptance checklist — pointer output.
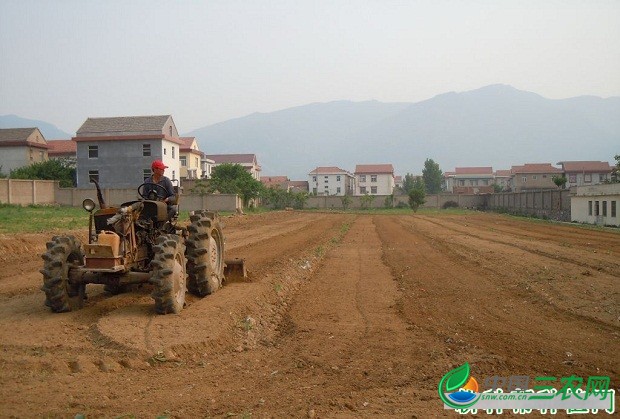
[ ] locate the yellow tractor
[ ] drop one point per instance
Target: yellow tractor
(137, 243)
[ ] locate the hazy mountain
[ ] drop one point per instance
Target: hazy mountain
(49, 131)
(495, 126)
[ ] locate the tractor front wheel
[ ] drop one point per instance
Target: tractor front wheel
(168, 275)
(63, 254)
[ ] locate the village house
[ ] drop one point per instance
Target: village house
(118, 151)
(190, 159)
(533, 176)
(470, 180)
(248, 161)
(374, 179)
(330, 180)
(21, 147)
(502, 179)
(580, 173)
(65, 150)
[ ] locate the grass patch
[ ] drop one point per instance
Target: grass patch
(41, 218)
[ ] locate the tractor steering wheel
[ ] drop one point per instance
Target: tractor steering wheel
(153, 194)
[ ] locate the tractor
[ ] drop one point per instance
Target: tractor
(139, 242)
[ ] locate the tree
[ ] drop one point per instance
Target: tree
(46, 170)
(366, 201)
(408, 183)
(234, 179)
(559, 181)
(497, 188)
(346, 201)
(416, 195)
(432, 176)
(615, 173)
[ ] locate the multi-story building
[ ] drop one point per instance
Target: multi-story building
(374, 179)
(331, 181)
(118, 151)
(469, 180)
(534, 176)
(502, 178)
(248, 161)
(585, 173)
(190, 159)
(21, 147)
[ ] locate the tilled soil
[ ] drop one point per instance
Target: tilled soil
(343, 315)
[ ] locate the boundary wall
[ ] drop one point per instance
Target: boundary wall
(548, 203)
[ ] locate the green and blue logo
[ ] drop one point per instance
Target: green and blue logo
(457, 389)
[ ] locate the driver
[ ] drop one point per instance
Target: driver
(158, 167)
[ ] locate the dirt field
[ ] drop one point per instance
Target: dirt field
(343, 315)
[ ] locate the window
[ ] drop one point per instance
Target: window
(613, 209)
(524, 179)
(373, 189)
(174, 176)
(314, 191)
(146, 150)
(146, 173)
(587, 178)
(601, 177)
(589, 207)
(373, 178)
(93, 175)
(42, 155)
(326, 180)
(314, 178)
(362, 178)
(326, 177)
(183, 161)
(173, 152)
(604, 208)
(338, 178)
(597, 211)
(461, 182)
(363, 190)
(170, 130)
(544, 176)
(534, 177)
(485, 182)
(196, 161)
(165, 151)
(572, 178)
(93, 151)
(338, 189)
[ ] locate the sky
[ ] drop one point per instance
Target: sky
(203, 61)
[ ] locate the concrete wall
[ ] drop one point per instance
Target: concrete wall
(27, 192)
(552, 204)
(432, 201)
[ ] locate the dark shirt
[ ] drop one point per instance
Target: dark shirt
(165, 182)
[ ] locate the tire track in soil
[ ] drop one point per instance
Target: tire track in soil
(527, 246)
(479, 316)
(554, 282)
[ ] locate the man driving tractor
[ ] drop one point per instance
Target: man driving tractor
(164, 191)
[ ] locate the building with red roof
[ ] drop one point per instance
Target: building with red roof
(374, 179)
(331, 180)
(583, 173)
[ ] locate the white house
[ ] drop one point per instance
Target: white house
(374, 179)
(331, 181)
(248, 161)
(596, 204)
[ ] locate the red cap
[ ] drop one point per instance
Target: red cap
(158, 164)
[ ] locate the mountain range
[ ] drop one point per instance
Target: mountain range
(49, 131)
(496, 125)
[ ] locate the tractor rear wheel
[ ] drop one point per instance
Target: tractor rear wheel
(205, 254)
(168, 275)
(63, 254)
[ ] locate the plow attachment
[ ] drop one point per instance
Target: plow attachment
(234, 270)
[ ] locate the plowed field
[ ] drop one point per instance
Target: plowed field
(343, 315)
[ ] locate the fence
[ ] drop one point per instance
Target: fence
(552, 204)
(382, 201)
(27, 192)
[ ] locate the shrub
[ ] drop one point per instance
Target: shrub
(450, 204)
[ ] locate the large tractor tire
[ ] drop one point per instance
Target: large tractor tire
(205, 254)
(63, 254)
(168, 275)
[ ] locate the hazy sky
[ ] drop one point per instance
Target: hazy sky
(205, 61)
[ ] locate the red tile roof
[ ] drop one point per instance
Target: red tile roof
(536, 168)
(374, 168)
(586, 166)
(187, 143)
(503, 173)
(473, 170)
(327, 170)
(61, 147)
(273, 179)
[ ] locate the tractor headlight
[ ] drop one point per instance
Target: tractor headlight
(88, 204)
